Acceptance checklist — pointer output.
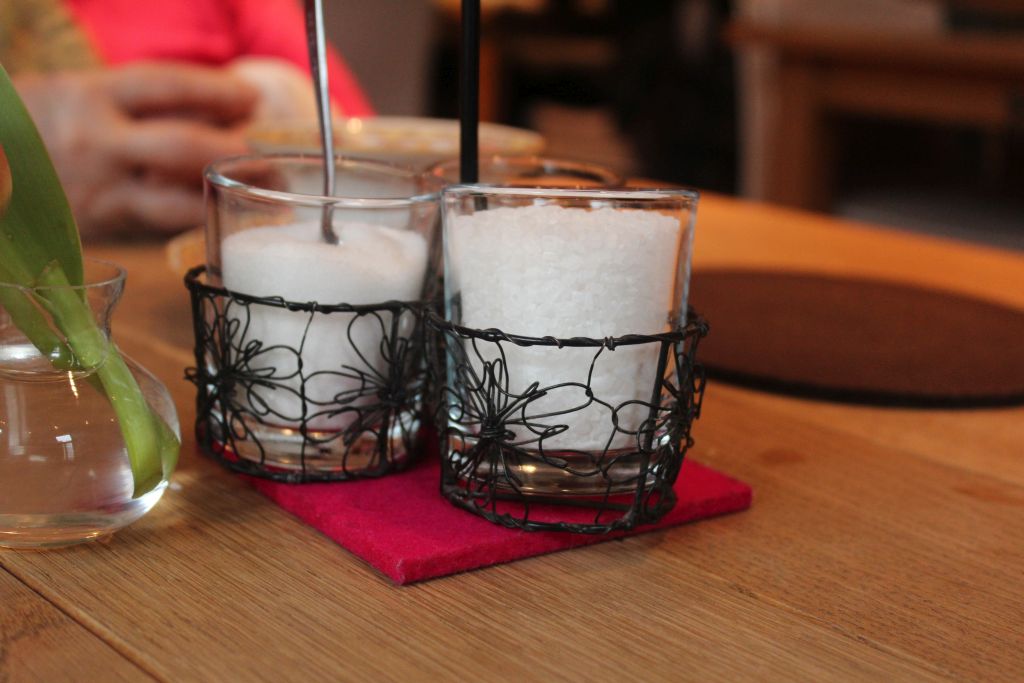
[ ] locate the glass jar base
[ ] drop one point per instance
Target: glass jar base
(58, 530)
(557, 473)
(322, 452)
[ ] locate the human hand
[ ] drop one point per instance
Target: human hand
(130, 143)
(285, 93)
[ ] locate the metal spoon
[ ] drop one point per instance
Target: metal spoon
(318, 66)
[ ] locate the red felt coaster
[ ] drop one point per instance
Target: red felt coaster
(401, 525)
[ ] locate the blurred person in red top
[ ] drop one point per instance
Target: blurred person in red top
(134, 97)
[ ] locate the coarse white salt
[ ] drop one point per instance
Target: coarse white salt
(547, 270)
(370, 264)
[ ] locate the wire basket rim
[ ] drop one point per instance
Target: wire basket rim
(195, 285)
(696, 326)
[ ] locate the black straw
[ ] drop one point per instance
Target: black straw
(469, 92)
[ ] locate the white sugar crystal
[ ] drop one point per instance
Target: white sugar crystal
(371, 264)
(555, 271)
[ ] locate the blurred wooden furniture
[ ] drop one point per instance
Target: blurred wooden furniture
(542, 37)
(968, 79)
(882, 544)
(450, 12)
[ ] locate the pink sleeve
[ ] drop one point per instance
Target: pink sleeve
(276, 28)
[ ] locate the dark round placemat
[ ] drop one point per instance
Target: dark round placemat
(859, 340)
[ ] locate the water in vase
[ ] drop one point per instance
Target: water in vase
(64, 471)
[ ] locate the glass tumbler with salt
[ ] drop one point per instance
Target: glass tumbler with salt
(559, 307)
(310, 354)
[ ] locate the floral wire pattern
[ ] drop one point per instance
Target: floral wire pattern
(490, 434)
(244, 384)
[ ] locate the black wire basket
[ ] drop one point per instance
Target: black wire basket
(262, 411)
(503, 447)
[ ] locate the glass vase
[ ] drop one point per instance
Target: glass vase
(65, 468)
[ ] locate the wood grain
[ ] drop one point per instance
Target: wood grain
(882, 545)
(982, 441)
(40, 643)
(880, 541)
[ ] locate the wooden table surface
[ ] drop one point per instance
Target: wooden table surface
(882, 544)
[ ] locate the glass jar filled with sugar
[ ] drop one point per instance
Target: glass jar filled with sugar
(309, 351)
(565, 335)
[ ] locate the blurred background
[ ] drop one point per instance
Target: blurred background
(908, 113)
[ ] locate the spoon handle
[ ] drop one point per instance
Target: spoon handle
(318, 67)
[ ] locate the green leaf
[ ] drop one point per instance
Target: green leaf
(41, 251)
(37, 227)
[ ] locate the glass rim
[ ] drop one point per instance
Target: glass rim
(115, 275)
(645, 194)
(215, 174)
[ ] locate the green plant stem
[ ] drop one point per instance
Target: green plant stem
(152, 446)
(33, 324)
